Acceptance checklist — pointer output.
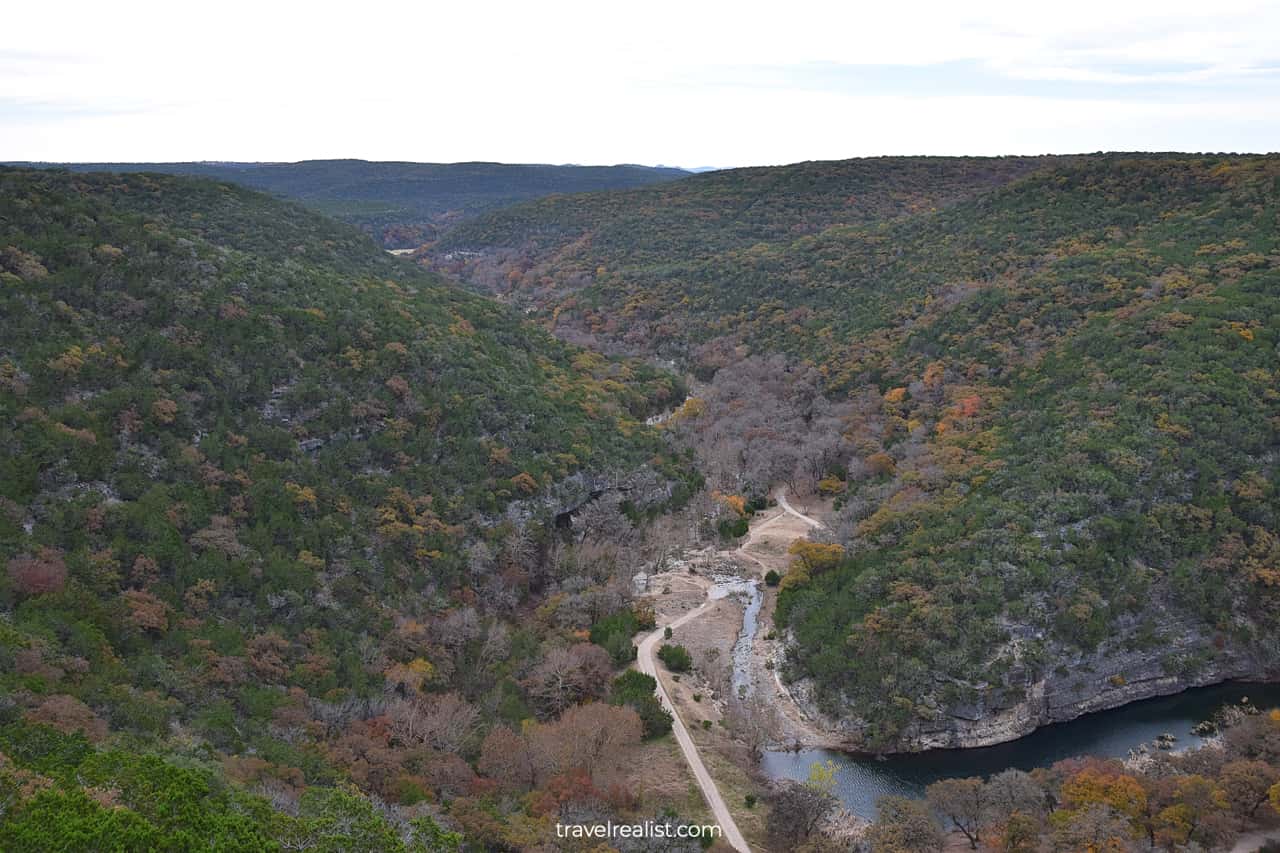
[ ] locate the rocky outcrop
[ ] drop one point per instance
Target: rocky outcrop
(1189, 654)
(643, 488)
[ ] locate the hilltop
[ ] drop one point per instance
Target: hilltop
(405, 204)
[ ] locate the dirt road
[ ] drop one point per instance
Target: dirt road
(765, 545)
(782, 502)
(645, 660)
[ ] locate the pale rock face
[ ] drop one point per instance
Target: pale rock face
(643, 487)
(1077, 684)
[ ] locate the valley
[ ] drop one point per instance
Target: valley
(969, 328)
(399, 455)
(908, 454)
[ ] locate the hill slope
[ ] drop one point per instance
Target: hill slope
(249, 467)
(1057, 458)
(406, 204)
(547, 251)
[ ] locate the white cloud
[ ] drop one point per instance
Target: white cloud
(597, 82)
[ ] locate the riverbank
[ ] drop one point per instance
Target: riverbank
(862, 780)
(797, 736)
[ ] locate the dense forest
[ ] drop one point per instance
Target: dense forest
(1049, 401)
(406, 204)
(298, 542)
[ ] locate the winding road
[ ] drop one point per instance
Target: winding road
(710, 792)
(782, 502)
(645, 661)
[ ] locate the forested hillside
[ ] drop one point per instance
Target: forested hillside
(406, 204)
(278, 521)
(1058, 409)
(635, 256)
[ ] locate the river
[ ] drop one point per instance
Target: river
(749, 590)
(861, 781)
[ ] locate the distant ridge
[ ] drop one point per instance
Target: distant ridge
(402, 204)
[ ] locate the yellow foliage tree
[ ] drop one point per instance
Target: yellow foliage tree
(814, 557)
(1098, 785)
(303, 496)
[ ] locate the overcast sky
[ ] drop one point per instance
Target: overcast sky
(685, 83)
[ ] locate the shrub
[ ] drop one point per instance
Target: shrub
(620, 648)
(732, 528)
(614, 633)
(676, 657)
(638, 691)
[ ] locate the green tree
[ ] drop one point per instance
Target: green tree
(676, 657)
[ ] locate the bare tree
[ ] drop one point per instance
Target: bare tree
(567, 676)
(457, 629)
(753, 721)
(904, 825)
(602, 520)
(589, 737)
(1095, 827)
(480, 560)
(762, 422)
(497, 644)
(444, 722)
(1014, 791)
(964, 802)
(499, 596)
(797, 810)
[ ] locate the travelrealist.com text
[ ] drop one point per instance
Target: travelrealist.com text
(647, 829)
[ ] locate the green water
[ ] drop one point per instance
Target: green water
(861, 781)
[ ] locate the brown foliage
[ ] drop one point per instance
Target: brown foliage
(366, 754)
(250, 769)
(31, 662)
(449, 775)
(220, 536)
(588, 736)
(399, 386)
(145, 571)
(228, 669)
(36, 575)
(267, 653)
(165, 411)
(68, 714)
(506, 757)
(1246, 784)
(146, 612)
